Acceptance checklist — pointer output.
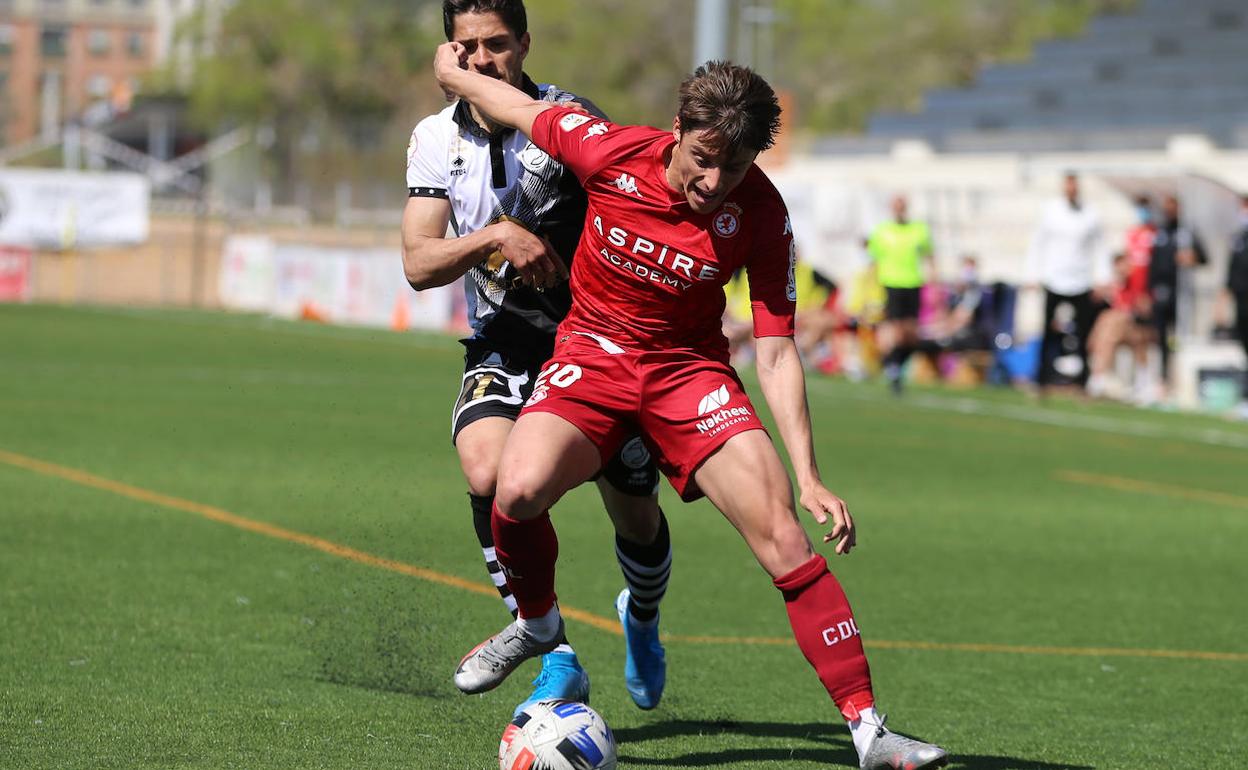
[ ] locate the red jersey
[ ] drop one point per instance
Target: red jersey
(1139, 253)
(649, 272)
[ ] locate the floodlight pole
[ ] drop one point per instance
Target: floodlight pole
(710, 31)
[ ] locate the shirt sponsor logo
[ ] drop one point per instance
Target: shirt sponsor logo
(573, 119)
(728, 220)
(532, 157)
(626, 184)
(598, 129)
(677, 270)
(718, 415)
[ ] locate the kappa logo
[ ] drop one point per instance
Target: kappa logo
(728, 220)
(788, 227)
(716, 399)
(627, 184)
(572, 120)
(598, 129)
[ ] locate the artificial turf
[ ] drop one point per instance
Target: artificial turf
(1039, 586)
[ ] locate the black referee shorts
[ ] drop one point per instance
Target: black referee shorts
(901, 304)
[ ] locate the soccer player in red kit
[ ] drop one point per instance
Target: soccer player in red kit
(671, 216)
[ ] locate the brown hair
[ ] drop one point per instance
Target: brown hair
(510, 11)
(733, 103)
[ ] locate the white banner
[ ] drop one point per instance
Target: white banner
(50, 209)
(337, 285)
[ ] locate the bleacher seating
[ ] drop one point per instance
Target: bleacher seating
(1169, 66)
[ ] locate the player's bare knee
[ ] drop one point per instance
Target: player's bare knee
(786, 543)
(481, 474)
(521, 495)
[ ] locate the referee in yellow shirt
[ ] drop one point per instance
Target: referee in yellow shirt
(899, 248)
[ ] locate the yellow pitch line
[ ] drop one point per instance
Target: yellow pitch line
(1152, 487)
(223, 516)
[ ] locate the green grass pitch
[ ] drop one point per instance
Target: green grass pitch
(1057, 586)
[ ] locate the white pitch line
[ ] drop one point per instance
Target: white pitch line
(1099, 423)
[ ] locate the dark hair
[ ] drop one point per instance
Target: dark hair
(733, 103)
(1143, 200)
(510, 11)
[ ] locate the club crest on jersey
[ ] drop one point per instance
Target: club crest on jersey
(411, 149)
(574, 119)
(728, 220)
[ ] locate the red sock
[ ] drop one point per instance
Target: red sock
(827, 634)
(527, 551)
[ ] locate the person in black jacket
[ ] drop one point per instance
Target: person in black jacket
(1237, 289)
(1176, 249)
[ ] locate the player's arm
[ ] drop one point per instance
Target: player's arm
(784, 387)
(430, 259)
(498, 101)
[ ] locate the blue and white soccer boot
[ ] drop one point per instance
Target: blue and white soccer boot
(645, 666)
(561, 678)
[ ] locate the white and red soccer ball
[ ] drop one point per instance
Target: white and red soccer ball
(557, 735)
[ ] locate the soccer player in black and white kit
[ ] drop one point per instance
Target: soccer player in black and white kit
(517, 216)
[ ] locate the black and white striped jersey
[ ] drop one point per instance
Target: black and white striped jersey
(489, 176)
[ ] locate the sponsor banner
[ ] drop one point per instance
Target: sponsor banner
(51, 209)
(246, 281)
(363, 287)
(15, 266)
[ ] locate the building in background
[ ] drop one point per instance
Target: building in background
(84, 60)
(61, 59)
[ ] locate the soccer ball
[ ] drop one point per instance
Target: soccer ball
(557, 735)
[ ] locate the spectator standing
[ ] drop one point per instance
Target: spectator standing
(1176, 249)
(1237, 290)
(1065, 258)
(899, 248)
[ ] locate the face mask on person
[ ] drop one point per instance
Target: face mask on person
(1144, 214)
(970, 275)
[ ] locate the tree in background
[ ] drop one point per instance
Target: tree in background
(340, 83)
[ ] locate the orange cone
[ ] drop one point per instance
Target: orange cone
(401, 319)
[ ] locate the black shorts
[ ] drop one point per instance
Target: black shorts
(496, 385)
(902, 304)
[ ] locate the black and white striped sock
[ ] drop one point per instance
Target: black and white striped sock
(646, 570)
(482, 505)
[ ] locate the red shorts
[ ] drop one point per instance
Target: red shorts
(684, 406)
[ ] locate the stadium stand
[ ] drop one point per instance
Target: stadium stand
(1172, 66)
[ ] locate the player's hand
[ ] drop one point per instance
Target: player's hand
(449, 58)
(534, 258)
(825, 506)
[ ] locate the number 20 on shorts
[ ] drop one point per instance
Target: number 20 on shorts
(559, 375)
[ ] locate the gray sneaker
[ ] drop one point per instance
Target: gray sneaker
(493, 660)
(890, 751)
